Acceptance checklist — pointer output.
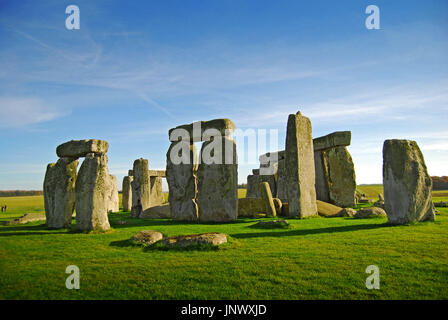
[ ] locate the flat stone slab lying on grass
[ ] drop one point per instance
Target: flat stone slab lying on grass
(272, 224)
(157, 212)
(211, 238)
(372, 212)
(147, 237)
(347, 212)
(28, 217)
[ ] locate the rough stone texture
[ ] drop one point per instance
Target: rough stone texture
(131, 173)
(182, 185)
(156, 194)
(341, 174)
(282, 191)
(249, 207)
(217, 196)
(278, 206)
(348, 212)
(157, 212)
(28, 217)
(127, 193)
(266, 158)
(322, 179)
(371, 212)
(285, 209)
(253, 185)
(113, 202)
(140, 188)
(256, 172)
(59, 192)
(157, 173)
(332, 140)
(407, 184)
(147, 237)
(92, 193)
(80, 148)
(327, 209)
(266, 195)
(211, 238)
(224, 126)
(300, 167)
(271, 224)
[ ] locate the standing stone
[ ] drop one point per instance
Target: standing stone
(140, 188)
(253, 185)
(155, 193)
(341, 174)
(127, 193)
(218, 183)
(59, 192)
(92, 193)
(407, 184)
(182, 183)
(266, 195)
(322, 179)
(300, 167)
(282, 190)
(113, 199)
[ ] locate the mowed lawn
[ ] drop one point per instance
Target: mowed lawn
(317, 258)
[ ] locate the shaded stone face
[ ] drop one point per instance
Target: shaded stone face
(332, 140)
(218, 185)
(322, 178)
(282, 191)
(223, 126)
(59, 192)
(253, 185)
(341, 175)
(113, 200)
(248, 207)
(407, 184)
(155, 194)
(80, 148)
(140, 187)
(127, 193)
(182, 184)
(92, 193)
(300, 170)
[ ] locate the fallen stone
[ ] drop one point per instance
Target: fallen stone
(300, 171)
(80, 148)
(372, 212)
(348, 212)
(407, 184)
(272, 224)
(157, 212)
(266, 195)
(147, 237)
(211, 238)
(249, 207)
(327, 209)
(59, 192)
(92, 194)
(332, 140)
(27, 217)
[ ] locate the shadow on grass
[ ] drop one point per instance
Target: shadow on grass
(304, 232)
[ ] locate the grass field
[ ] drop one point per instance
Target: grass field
(319, 258)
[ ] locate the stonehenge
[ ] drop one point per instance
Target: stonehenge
(204, 188)
(127, 193)
(407, 184)
(92, 191)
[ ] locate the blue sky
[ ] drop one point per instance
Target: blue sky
(137, 68)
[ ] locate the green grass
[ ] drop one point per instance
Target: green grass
(321, 258)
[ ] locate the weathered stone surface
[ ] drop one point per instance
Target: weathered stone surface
(285, 209)
(131, 173)
(372, 212)
(253, 185)
(407, 184)
(341, 174)
(80, 148)
(156, 194)
(332, 140)
(182, 183)
(113, 200)
(256, 172)
(157, 173)
(266, 195)
(147, 237)
(278, 206)
(348, 212)
(327, 209)
(282, 190)
(127, 193)
(157, 212)
(267, 158)
(59, 192)
(271, 224)
(92, 194)
(322, 179)
(218, 183)
(300, 167)
(249, 207)
(28, 217)
(140, 188)
(211, 238)
(224, 126)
